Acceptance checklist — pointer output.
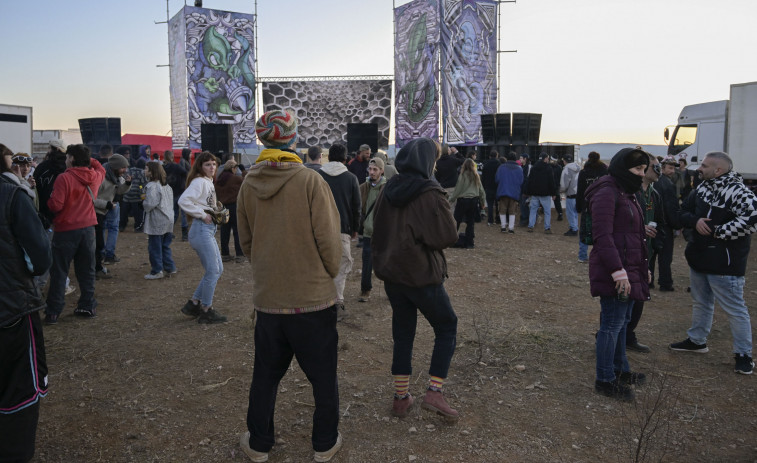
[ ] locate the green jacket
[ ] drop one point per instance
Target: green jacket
(465, 188)
(369, 193)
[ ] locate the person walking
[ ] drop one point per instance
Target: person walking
(618, 267)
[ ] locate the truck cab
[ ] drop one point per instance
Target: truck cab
(701, 128)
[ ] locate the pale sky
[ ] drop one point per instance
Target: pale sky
(598, 70)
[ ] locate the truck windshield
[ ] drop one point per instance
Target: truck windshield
(683, 136)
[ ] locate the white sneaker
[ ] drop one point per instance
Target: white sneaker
(154, 276)
(328, 454)
(254, 455)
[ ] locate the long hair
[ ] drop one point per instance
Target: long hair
(155, 172)
(469, 170)
(196, 170)
(4, 151)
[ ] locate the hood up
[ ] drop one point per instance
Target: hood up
(415, 166)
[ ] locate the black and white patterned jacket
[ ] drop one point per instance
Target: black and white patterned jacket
(732, 209)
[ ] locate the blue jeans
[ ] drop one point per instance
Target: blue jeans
(546, 203)
(611, 337)
(583, 251)
(729, 292)
(159, 248)
(365, 278)
(433, 302)
(110, 230)
(77, 245)
(202, 238)
(570, 206)
(312, 339)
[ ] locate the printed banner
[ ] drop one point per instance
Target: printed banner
(416, 70)
(324, 108)
(212, 53)
(469, 62)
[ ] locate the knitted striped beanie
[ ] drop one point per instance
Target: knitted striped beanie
(277, 129)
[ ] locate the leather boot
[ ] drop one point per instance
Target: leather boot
(400, 407)
(434, 401)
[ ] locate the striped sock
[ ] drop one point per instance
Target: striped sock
(435, 383)
(401, 385)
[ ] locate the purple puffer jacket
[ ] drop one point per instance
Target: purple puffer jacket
(619, 239)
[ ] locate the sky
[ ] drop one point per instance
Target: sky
(597, 70)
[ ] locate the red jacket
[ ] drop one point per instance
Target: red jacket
(70, 200)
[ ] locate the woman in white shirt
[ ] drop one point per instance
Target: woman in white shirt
(197, 199)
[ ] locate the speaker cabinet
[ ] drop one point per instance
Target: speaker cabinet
(526, 128)
(216, 138)
(502, 134)
(362, 134)
(100, 130)
(488, 128)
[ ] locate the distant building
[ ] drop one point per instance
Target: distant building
(41, 139)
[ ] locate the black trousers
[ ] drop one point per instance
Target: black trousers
(312, 338)
(491, 206)
(465, 211)
(664, 259)
(636, 311)
(99, 243)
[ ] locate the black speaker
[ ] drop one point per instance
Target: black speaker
(502, 129)
(215, 138)
(362, 134)
(526, 128)
(100, 130)
(488, 129)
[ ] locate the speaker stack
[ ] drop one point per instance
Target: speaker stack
(100, 131)
(216, 138)
(362, 134)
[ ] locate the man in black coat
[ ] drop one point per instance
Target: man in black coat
(667, 190)
(541, 188)
(344, 187)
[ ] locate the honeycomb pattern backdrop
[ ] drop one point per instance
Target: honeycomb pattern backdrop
(324, 108)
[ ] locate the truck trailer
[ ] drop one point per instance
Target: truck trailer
(726, 125)
(16, 128)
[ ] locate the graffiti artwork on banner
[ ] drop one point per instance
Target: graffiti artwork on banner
(221, 78)
(469, 58)
(416, 67)
(325, 107)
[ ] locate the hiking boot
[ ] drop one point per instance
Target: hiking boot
(744, 364)
(630, 378)
(191, 309)
(636, 346)
(254, 455)
(210, 316)
(364, 296)
(434, 401)
(111, 260)
(154, 276)
(614, 390)
(328, 454)
(103, 274)
(51, 319)
(226, 258)
(401, 406)
(689, 346)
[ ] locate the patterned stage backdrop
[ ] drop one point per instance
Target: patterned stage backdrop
(324, 108)
(416, 70)
(469, 61)
(212, 74)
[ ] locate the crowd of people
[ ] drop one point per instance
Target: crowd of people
(289, 211)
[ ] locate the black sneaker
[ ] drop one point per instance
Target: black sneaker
(571, 233)
(667, 289)
(744, 364)
(87, 313)
(629, 378)
(210, 317)
(51, 319)
(614, 390)
(184, 234)
(191, 309)
(111, 260)
(689, 346)
(636, 346)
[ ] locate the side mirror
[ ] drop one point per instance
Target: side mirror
(667, 134)
(694, 159)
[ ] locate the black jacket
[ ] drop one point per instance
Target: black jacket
(670, 205)
(488, 174)
(45, 175)
(541, 180)
(446, 170)
(586, 177)
(732, 210)
(22, 236)
(344, 188)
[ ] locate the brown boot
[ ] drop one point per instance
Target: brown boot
(434, 401)
(400, 407)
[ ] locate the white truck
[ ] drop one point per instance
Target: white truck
(726, 125)
(16, 128)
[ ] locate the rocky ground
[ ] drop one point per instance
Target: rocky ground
(142, 383)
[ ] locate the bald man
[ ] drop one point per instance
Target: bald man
(723, 213)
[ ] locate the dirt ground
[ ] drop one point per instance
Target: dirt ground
(143, 383)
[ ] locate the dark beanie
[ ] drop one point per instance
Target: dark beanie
(117, 162)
